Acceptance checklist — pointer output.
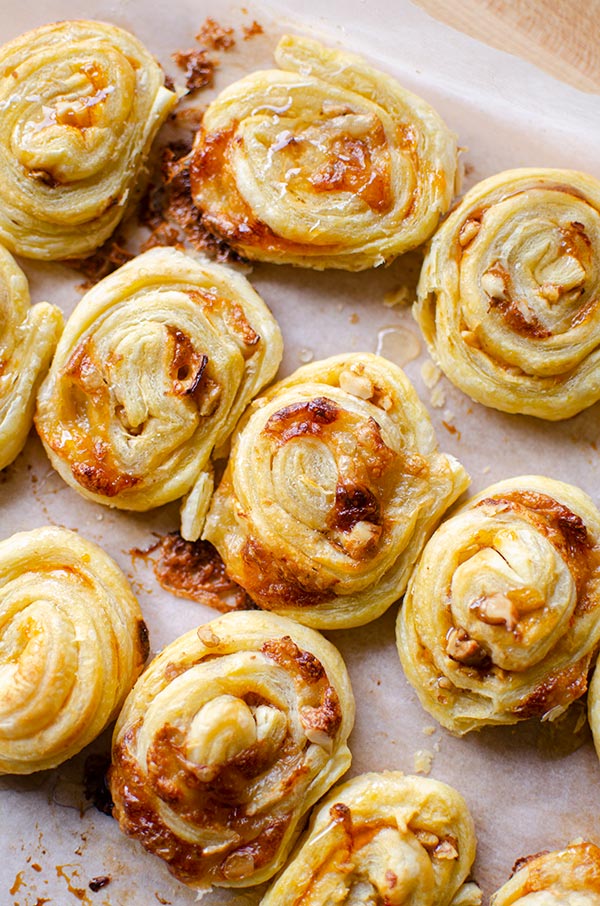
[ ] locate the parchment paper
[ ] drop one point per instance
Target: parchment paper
(524, 795)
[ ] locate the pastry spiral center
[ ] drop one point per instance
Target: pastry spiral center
(74, 111)
(530, 275)
(513, 595)
(330, 470)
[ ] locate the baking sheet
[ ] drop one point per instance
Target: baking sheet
(524, 793)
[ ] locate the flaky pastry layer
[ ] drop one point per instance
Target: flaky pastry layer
(154, 368)
(81, 102)
(72, 644)
(501, 619)
(325, 162)
(333, 485)
(509, 295)
(383, 838)
(230, 736)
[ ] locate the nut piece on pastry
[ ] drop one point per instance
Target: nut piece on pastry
(80, 103)
(325, 162)
(383, 838)
(334, 484)
(230, 736)
(501, 619)
(28, 337)
(509, 295)
(568, 876)
(72, 644)
(154, 368)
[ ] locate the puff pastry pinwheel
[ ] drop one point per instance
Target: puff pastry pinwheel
(80, 103)
(72, 644)
(28, 337)
(568, 876)
(383, 838)
(154, 368)
(230, 736)
(508, 295)
(501, 619)
(333, 485)
(325, 162)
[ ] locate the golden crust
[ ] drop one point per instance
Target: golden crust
(28, 337)
(72, 643)
(570, 875)
(233, 732)
(501, 619)
(154, 368)
(382, 838)
(81, 103)
(323, 163)
(333, 485)
(509, 295)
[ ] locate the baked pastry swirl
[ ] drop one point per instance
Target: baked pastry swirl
(325, 162)
(501, 619)
(28, 337)
(383, 838)
(80, 105)
(154, 368)
(72, 644)
(509, 295)
(570, 875)
(333, 485)
(230, 736)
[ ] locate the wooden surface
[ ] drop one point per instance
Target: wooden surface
(560, 36)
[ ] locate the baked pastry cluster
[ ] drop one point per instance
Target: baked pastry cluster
(72, 644)
(325, 162)
(508, 295)
(333, 485)
(154, 368)
(28, 338)
(570, 875)
(501, 619)
(233, 732)
(329, 502)
(81, 103)
(383, 838)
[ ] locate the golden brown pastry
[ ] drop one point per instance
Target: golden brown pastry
(72, 644)
(155, 366)
(501, 619)
(509, 295)
(567, 877)
(80, 104)
(324, 162)
(230, 736)
(28, 337)
(333, 485)
(385, 839)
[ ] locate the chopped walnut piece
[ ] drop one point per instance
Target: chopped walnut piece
(468, 231)
(496, 610)
(550, 291)
(213, 35)
(446, 849)
(361, 538)
(462, 648)
(427, 839)
(493, 284)
(199, 68)
(358, 385)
